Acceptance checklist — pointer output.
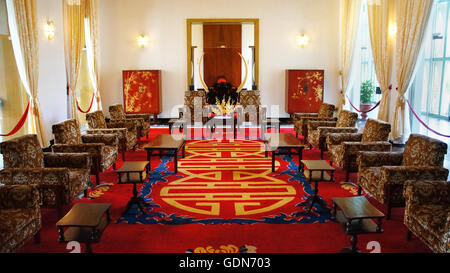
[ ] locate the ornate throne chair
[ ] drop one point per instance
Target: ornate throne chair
(383, 174)
(143, 121)
(103, 148)
(427, 213)
(326, 113)
(194, 111)
(344, 147)
(61, 177)
(20, 216)
(319, 129)
(125, 129)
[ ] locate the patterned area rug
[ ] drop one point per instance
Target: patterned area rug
(227, 181)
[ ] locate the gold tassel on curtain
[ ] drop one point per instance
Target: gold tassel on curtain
(412, 19)
(350, 14)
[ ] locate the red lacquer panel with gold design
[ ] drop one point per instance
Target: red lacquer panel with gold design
(142, 91)
(304, 90)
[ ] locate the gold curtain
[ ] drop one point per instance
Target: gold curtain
(74, 14)
(350, 14)
(92, 15)
(412, 19)
(26, 26)
(381, 41)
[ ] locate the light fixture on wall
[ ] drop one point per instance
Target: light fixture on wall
(392, 29)
(142, 41)
(49, 29)
(302, 40)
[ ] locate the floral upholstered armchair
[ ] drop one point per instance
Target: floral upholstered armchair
(383, 174)
(427, 213)
(344, 147)
(326, 113)
(250, 106)
(125, 129)
(319, 129)
(20, 216)
(103, 148)
(60, 177)
(142, 121)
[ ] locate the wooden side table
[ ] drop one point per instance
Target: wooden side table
(355, 216)
(134, 172)
(163, 143)
(85, 223)
(286, 141)
(316, 172)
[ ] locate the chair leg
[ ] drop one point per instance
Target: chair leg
(321, 154)
(359, 190)
(347, 175)
(85, 193)
(408, 235)
(389, 208)
(97, 178)
(114, 166)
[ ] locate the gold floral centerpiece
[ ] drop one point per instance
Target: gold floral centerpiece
(224, 107)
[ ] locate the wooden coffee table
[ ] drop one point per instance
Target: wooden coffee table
(317, 171)
(286, 141)
(134, 172)
(356, 215)
(85, 223)
(163, 143)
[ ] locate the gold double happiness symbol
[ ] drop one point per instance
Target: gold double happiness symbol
(217, 173)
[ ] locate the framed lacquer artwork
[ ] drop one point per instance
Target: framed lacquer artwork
(304, 90)
(142, 91)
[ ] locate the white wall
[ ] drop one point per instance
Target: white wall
(52, 75)
(165, 23)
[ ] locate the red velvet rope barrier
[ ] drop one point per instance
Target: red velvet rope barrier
(423, 123)
(90, 106)
(20, 124)
(364, 112)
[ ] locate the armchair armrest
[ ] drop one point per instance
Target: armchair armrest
(94, 149)
(314, 124)
(44, 177)
(130, 125)
(298, 116)
(378, 159)
(338, 138)
(145, 117)
(68, 160)
(121, 132)
(324, 131)
(107, 139)
(377, 146)
(397, 175)
(427, 192)
(19, 196)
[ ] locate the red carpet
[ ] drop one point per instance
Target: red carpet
(225, 199)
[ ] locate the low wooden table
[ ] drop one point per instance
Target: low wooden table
(285, 141)
(85, 223)
(178, 121)
(355, 215)
(316, 172)
(223, 120)
(134, 172)
(163, 143)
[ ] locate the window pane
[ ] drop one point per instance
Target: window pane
(445, 100)
(439, 30)
(435, 91)
(425, 87)
(84, 88)
(11, 93)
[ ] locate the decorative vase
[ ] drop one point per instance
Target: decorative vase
(364, 108)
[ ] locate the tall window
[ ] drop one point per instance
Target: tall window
(430, 92)
(364, 69)
(13, 98)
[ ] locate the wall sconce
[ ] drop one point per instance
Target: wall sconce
(49, 30)
(302, 40)
(392, 29)
(142, 41)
